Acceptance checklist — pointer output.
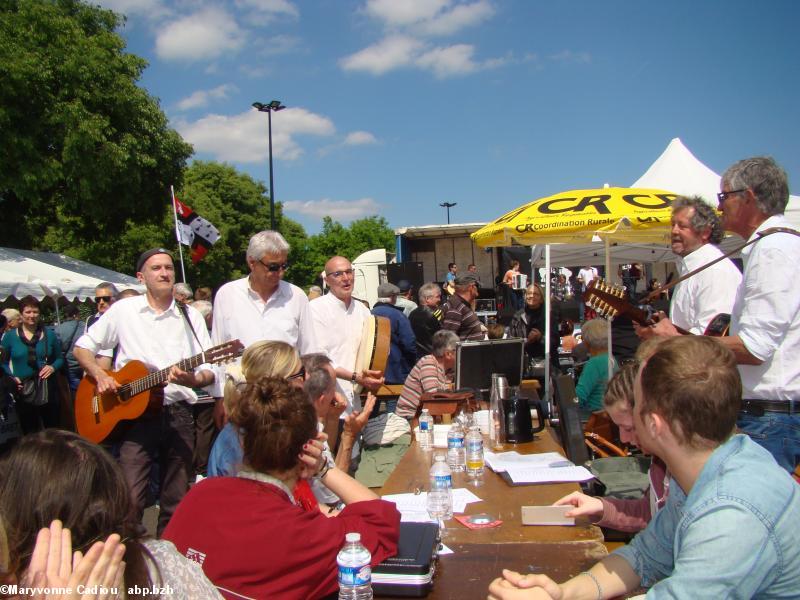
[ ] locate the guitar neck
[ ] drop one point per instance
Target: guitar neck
(155, 378)
(610, 301)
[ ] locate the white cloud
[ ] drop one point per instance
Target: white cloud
(203, 97)
(207, 34)
(396, 13)
(388, 54)
(243, 138)
(452, 60)
(407, 22)
(360, 138)
(463, 15)
(398, 52)
(570, 56)
(261, 12)
(428, 17)
(151, 9)
(338, 210)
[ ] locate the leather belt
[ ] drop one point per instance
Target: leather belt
(757, 408)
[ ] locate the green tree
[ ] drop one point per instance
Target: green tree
(336, 239)
(86, 153)
(238, 206)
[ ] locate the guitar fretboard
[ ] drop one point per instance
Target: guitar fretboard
(158, 377)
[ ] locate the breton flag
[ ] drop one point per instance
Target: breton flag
(193, 230)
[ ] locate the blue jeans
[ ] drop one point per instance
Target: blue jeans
(778, 433)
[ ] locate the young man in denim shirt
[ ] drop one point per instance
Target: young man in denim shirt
(729, 528)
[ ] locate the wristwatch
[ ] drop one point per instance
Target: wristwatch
(354, 377)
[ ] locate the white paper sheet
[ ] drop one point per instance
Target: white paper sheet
(548, 475)
(413, 507)
(502, 461)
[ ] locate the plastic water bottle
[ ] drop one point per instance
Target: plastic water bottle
(456, 457)
(475, 462)
(355, 574)
(426, 430)
(440, 495)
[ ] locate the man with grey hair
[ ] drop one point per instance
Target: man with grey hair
(105, 294)
(320, 387)
(696, 233)
(431, 374)
(183, 293)
(765, 322)
(427, 318)
(261, 306)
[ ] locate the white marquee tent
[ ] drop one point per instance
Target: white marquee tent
(40, 274)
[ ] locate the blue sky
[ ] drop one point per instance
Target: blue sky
(395, 106)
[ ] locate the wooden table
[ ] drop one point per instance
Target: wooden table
(480, 554)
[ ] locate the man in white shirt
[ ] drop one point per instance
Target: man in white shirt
(696, 231)
(333, 324)
(261, 306)
(765, 320)
(153, 329)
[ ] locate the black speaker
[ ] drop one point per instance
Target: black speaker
(411, 271)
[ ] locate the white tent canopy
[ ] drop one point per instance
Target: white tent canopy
(676, 170)
(40, 274)
(679, 171)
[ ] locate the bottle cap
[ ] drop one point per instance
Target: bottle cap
(353, 537)
(439, 457)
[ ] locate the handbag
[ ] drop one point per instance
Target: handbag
(34, 391)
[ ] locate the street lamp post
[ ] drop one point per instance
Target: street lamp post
(447, 205)
(273, 106)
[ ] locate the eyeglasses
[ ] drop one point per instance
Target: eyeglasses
(106, 299)
(722, 196)
(337, 274)
(275, 267)
(301, 374)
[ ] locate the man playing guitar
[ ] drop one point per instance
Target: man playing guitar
(153, 329)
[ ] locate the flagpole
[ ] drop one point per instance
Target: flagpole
(177, 232)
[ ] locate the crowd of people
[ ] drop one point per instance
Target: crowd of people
(276, 437)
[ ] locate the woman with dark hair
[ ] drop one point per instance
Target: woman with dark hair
(261, 544)
(57, 474)
(32, 356)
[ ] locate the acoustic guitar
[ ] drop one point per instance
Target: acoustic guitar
(611, 300)
(98, 416)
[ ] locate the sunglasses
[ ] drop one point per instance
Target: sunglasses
(275, 267)
(106, 299)
(299, 375)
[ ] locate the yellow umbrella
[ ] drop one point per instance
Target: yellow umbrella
(625, 214)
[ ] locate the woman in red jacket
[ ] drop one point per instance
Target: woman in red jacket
(247, 532)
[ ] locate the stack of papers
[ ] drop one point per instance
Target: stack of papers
(413, 507)
(502, 461)
(549, 474)
(545, 467)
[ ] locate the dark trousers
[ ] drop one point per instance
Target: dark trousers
(168, 438)
(205, 432)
